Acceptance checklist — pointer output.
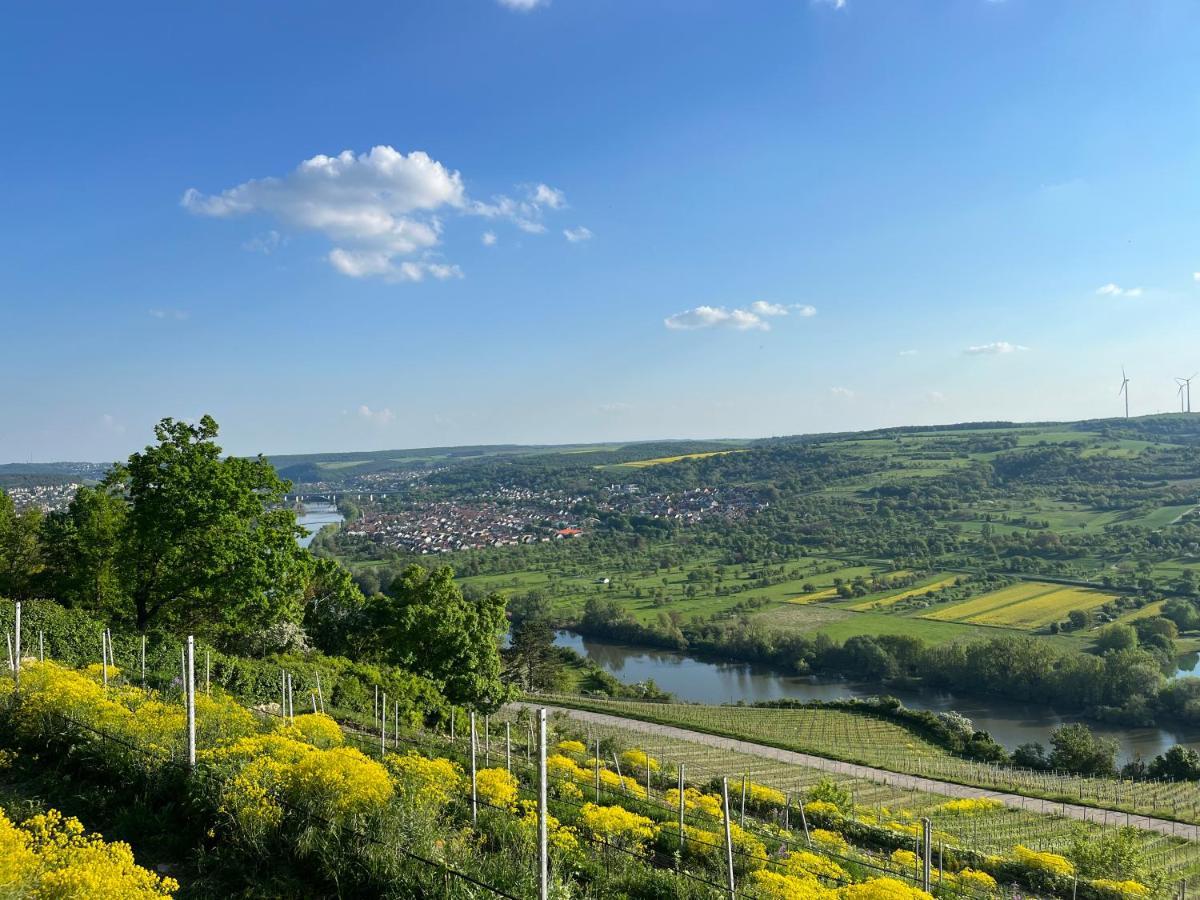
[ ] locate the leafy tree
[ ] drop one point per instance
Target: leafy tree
(334, 610)
(1117, 637)
(82, 547)
(20, 549)
(532, 661)
(1183, 613)
(205, 544)
(1077, 749)
(1030, 756)
(1115, 853)
(425, 624)
(1180, 763)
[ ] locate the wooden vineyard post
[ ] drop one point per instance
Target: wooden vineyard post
(104, 656)
(143, 660)
(191, 701)
(313, 694)
(396, 727)
(596, 759)
(8, 637)
(320, 696)
(452, 717)
(508, 746)
(207, 674)
(291, 699)
(487, 740)
(283, 693)
(474, 790)
(647, 755)
(742, 815)
(728, 839)
(543, 835)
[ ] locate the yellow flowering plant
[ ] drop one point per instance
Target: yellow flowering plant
(51, 856)
(424, 781)
(497, 787)
(617, 825)
(1042, 861)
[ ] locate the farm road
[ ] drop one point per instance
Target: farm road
(907, 782)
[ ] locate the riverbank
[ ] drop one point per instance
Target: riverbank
(697, 679)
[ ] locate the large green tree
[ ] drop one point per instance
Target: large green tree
(205, 543)
(82, 546)
(21, 560)
(425, 624)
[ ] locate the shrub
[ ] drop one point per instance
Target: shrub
(775, 886)
(973, 878)
(882, 889)
(637, 760)
(319, 730)
(575, 747)
(829, 840)
(803, 864)
(1041, 861)
(969, 806)
(696, 801)
(1120, 889)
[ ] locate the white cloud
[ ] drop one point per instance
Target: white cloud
(523, 5)
(909, 352)
(712, 316)
(936, 397)
(575, 235)
(266, 243)
(177, 314)
(752, 319)
(994, 347)
(617, 407)
(844, 392)
(110, 423)
(1196, 276)
(836, 4)
(376, 416)
(488, 238)
(1115, 290)
(379, 209)
(544, 195)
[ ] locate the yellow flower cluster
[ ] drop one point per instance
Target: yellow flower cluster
(696, 801)
(822, 808)
(615, 782)
(968, 806)
(575, 747)
(1121, 889)
(774, 886)
(904, 860)
(559, 836)
(51, 856)
(749, 850)
(1041, 861)
(637, 760)
(497, 787)
(617, 825)
(319, 730)
(263, 773)
(763, 795)
(426, 782)
(829, 840)
(802, 864)
(973, 878)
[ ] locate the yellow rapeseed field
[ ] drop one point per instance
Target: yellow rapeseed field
(1030, 604)
(903, 595)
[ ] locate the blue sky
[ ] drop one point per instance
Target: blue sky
(787, 216)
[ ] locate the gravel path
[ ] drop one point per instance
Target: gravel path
(907, 782)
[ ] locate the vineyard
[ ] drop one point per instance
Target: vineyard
(375, 805)
(861, 738)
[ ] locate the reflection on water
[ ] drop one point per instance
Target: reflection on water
(316, 516)
(701, 681)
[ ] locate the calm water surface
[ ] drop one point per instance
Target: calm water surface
(703, 681)
(317, 516)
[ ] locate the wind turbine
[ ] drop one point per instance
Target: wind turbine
(1124, 390)
(1185, 390)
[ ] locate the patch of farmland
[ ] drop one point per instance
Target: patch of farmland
(1031, 604)
(889, 600)
(664, 460)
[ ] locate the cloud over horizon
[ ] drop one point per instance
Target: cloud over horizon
(1115, 290)
(994, 348)
(382, 210)
(752, 319)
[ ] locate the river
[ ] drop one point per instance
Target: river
(317, 516)
(703, 681)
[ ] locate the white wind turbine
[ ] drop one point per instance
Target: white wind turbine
(1124, 390)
